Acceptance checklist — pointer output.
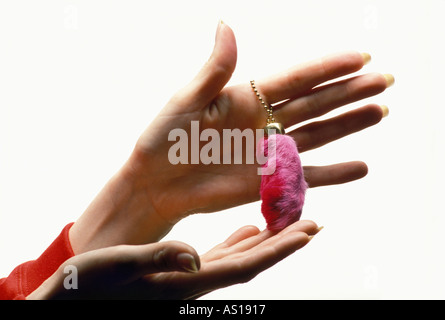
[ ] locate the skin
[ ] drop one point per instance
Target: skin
(142, 202)
(149, 195)
(152, 271)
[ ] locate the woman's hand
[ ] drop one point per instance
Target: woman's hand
(179, 190)
(169, 270)
(150, 194)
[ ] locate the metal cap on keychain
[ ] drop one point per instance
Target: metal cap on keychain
(271, 126)
(274, 127)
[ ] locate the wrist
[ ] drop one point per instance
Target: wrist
(121, 213)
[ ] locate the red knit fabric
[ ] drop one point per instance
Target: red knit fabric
(28, 276)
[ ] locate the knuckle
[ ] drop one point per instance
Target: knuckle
(160, 261)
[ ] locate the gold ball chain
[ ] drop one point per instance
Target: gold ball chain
(271, 126)
(268, 108)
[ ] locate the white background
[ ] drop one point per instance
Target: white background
(80, 80)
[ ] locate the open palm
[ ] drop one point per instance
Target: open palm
(239, 259)
(153, 271)
(297, 94)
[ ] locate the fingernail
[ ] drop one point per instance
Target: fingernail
(220, 24)
(389, 79)
(366, 58)
(218, 29)
(187, 262)
(385, 110)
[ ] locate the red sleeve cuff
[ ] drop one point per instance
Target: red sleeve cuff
(28, 276)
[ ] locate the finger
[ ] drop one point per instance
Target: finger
(304, 77)
(100, 272)
(268, 254)
(265, 255)
(216, 72)
(279, 246)
(241, 234)
(220, 250)
(306, 226)
(164, 257)
(243, 267)
(317, 134)
(124, 264)
(303, 226)
(335, 174)
(244, 235)
(323, 99)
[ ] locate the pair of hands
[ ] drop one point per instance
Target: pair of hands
(149, 195)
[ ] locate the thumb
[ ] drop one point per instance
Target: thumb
(217, 71)
(107, 268)
(170, 256)
(126, 263)
(157, 257)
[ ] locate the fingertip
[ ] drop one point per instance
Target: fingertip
(175, 256)
(242, 234)
(366, 58)
(251, 229)
(217, 71)
(372, 113)
(389, 79)
(355, 170)
(361, 169)
(306, 226)
(188, 262)
(385, 111)
(225, 50)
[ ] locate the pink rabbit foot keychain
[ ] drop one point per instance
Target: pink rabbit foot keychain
(283, 186)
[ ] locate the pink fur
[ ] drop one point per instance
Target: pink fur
(282, 192)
